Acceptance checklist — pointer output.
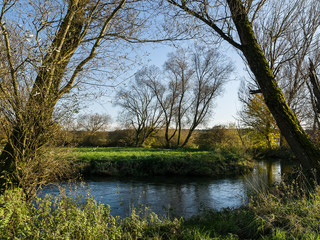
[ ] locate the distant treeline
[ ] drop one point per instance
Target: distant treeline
(216, 137)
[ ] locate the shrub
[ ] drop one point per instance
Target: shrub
(121, 138)
(217, 137)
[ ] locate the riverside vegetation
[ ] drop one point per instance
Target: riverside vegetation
(286, 212)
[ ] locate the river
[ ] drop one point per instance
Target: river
(178, 196)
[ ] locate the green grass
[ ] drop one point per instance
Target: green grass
(121, 153)
(160, 162)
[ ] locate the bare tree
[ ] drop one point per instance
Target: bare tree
(166, 96)
(211, 71)
(185, 91)
(44, 53)
(141, 110)
(232, 21)
(179, 73)
(93, 122)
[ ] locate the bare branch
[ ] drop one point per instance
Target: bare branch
(79, 68)
(207, 21)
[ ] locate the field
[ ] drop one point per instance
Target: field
(159, 162)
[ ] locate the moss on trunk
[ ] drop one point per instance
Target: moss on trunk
(287, 122)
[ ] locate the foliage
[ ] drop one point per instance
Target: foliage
(116, 138)
(256, 115)
(75, 217)
(151, 162)
(47, 166)
(121, 138)
(217, 137)
(227, 224)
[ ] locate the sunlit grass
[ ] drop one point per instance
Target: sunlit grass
(160, 162)
(121, 153)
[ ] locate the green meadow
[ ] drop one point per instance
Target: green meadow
(119, 161)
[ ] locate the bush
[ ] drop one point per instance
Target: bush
(121, 138)
(217, 137)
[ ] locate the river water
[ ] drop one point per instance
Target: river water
(178, 196)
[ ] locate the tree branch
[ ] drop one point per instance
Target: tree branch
(207, 21)
(80, 66)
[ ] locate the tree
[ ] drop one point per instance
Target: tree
(166, 97)
(141, 111)
(212, 70)
(180, 75)
(185, 91)
(256, 115)
(93, 122)
(289, 37)
(248, 45)
(44, 52)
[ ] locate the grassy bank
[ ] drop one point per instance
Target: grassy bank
(160, 162)
(289, 212)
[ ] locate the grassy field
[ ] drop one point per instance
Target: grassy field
(159, 162)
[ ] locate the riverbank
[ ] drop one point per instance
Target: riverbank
(286, 212)
(106, 162)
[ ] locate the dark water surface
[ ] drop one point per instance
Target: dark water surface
(179, 196)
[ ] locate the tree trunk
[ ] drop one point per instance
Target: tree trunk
(287, 122)
(34, 129)
(315, 87)
(188, 136)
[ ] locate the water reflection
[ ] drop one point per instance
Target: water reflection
(181, 196)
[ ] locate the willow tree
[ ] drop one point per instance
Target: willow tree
(44, 51)
(232, 21)
(140, 110)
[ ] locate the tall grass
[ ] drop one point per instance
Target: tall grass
(289, 211)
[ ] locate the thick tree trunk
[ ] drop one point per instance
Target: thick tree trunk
(35, 126)
(287, 122)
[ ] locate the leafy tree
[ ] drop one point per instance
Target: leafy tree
(256, 115)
